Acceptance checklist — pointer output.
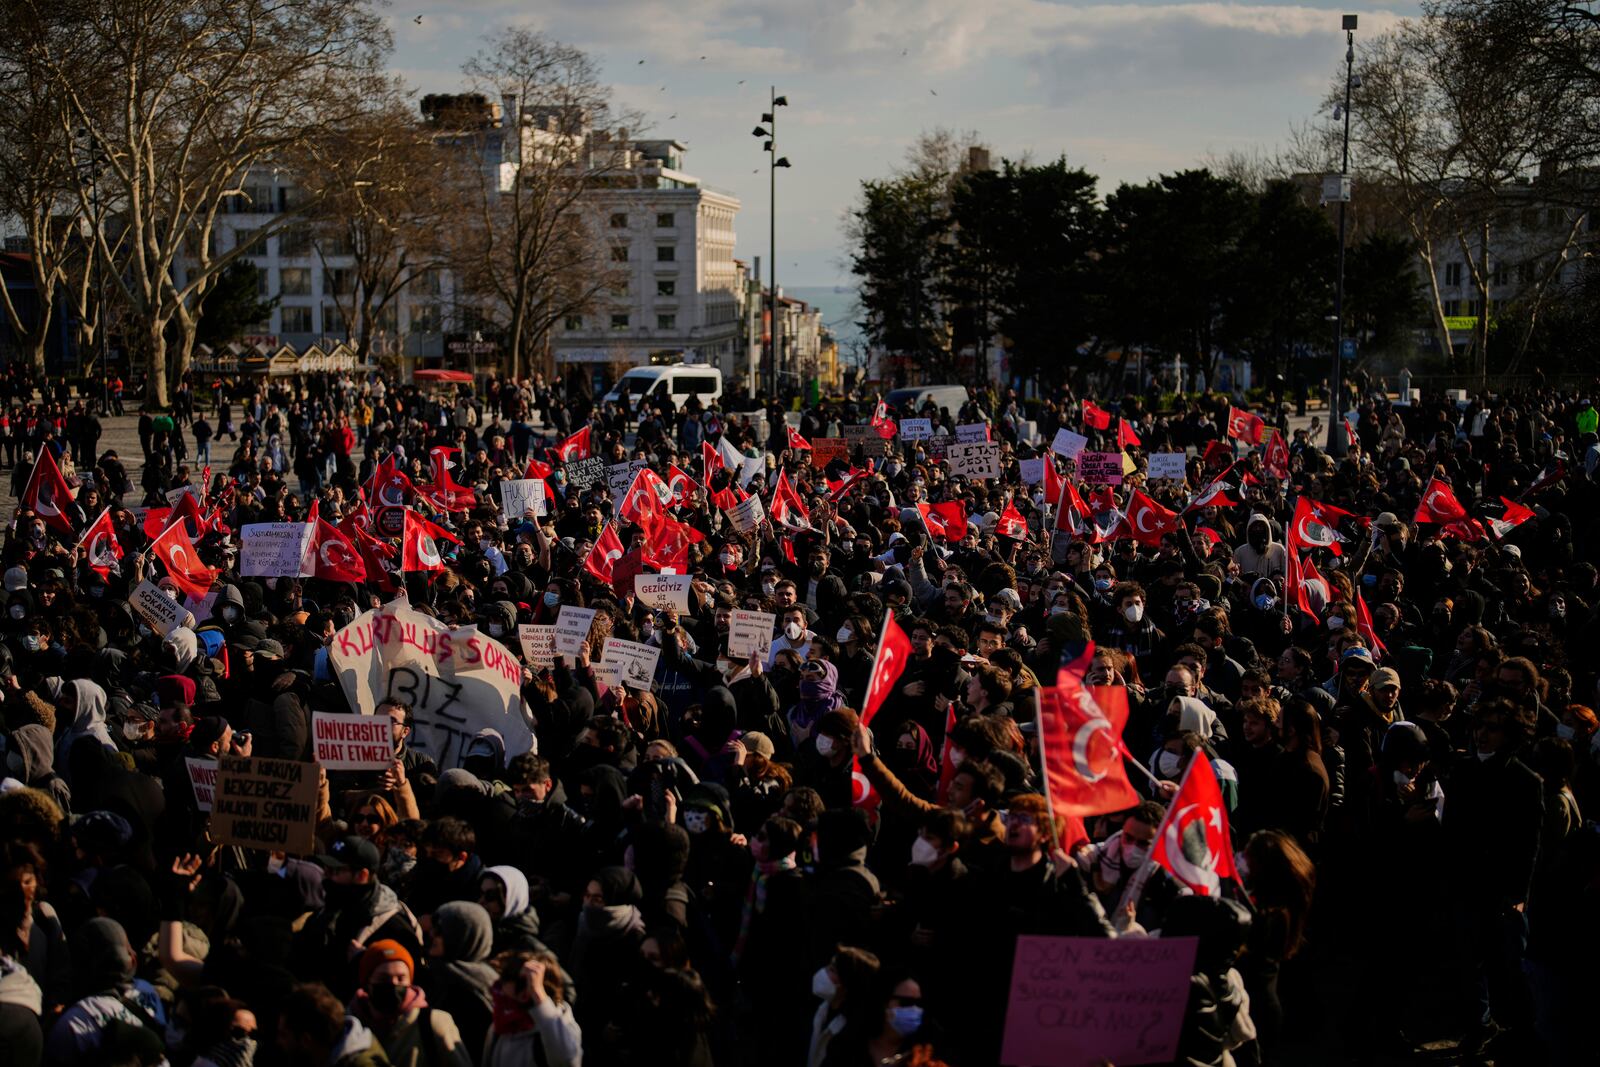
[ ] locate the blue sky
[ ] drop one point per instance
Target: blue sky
(1126, 90)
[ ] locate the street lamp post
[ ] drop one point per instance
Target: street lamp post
(1338, 440)
(91, 168)
(774, 349)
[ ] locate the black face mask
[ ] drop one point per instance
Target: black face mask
(387, 997)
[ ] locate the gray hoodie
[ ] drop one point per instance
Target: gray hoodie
(32, 744)
(89, 720)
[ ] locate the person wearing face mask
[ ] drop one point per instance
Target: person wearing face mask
(858, 641)
(793, 635)
(1131, 629)
(1260, 556)
(413, 1033)
(770, 944)
(843, 985)
(610, 929)
(1112, 863)
(357, 910)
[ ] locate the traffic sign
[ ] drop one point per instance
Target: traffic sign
(1347, 348)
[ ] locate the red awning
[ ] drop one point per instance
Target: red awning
(429, 375)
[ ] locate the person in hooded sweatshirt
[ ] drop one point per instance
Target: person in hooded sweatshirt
(1260, 556)
(503, 893)
(82, 704)
(396, 1010)
(357, 910)
(30, 759)
(606, 946)
(459, 978)
(103, 965)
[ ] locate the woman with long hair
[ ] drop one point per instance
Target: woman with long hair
(1281, 880)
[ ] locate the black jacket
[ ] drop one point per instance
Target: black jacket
(1492, 820)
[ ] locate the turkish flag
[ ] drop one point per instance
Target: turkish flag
(538, 469)
(174, 549)
(47, 492)
(894, 652)
(681, 486)
(1439, 504)
(1245, 427)
(1110, 521)
(836, 489)
(444, 489)
(575, 446)
(1313, 526)
(101, 549)
(419, 544)
(1096, 416)
(333, 557)
(1125, 436)
(710, 461)
(1217, 455)
(393, 488)
(947, 521)
(1365, 629)
(947, 765)
(1149, 520)
(1080, 739)
(187, 509)
(1276, 457)
(796, 441)
(1193, 842)
(640, 504)
(1053, 481)
(1011, 523)
(787, 508)
(668, 548)
(1219, 494)
(1301, 577)
(1515, 515)
(603, 557)
(1074, 516)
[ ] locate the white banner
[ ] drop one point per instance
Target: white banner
(663, 591)
(628, 662)
(1069, 444)
(1172, 465)
(619, 476)
(276, 549)
(572, 629)
(518, 496)
(352, 742)
(456, 681)
(747, 514)
(538, 644)
(750, 631)
(158, 610)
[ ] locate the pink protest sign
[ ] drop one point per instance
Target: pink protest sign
(1083, 1001)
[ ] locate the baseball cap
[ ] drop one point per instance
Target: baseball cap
(350, 853)
(1387, 518)
(1356, 653)
(16, 579)
(1385, 676)
(269, 649)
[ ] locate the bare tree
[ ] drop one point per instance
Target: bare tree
(533, 250)
(184, 99)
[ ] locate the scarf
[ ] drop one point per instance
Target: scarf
(755, 899)
(510, 1015)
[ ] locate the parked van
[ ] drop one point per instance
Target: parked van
(950, 397)
(672, 384)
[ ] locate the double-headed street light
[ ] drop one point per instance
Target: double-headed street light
(774, 349)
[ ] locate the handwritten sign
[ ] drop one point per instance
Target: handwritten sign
(750, 631)
(583, 473)
(916, 429)
(619, 476)
(455, 680)
(824, 450)
(1100, 468)
(352, 742)
(175, 495)
(203, 780)
(1172, 465)
(516, 497)
(972, 432)
(275, 549)
(747, 514)
(866, 438)
(663, 591)
(1081, 1001)
(538, 644)
(266, 803)
(572, 629)
(628, 663)
(1032, 471)
(1069, 444)
(158, 610)
(975, 460)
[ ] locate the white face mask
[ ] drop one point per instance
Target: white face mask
(1335, 622)
(824, 746)
(132, 730)
(958, 756)
(495, 629)
(1168, 763)
(1401, 779)
(822, 984)
(728, 559)
(923, 854)
(768, 588)
(792, 631)
(843, 635)
(1134, 612)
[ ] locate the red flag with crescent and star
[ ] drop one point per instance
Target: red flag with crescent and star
(101, 549)
(1193, 842)
(1080, 739)
(681, 484)
(333, 557)
(419, 544)
(604, 555)
(1096, 416)
(1011, 523)
(894, 652)
(1439, 504)
(1149, 520)
(946, 521)
(174, 549)
(575, 447)
(1315, 526)
(47, 492)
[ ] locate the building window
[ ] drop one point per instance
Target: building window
(666, 253)
(428, 282)
(667, 288)
(619, 322)
(666, 322)
(262, 288)
(619, 220)
(294, 241)
(295, 281)
(665, 220)
(619, 253)
(573, 322)
(1501, 275)
(1452, 274)
(296, 319)
(340, 280)
(425, 318)
(1452, 308)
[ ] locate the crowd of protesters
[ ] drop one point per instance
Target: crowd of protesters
(684, 872)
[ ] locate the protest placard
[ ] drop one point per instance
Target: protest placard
(975, 460)
(916, 429)
(663, 591)
(275, 549)
(201, 609)
(1172, 465)
(750, 631)
(1032, 471)
(352, 742)
(1069, 444)
(538, 644)
(572, 629)
(1100, 468)
(936, 447)
(629, 662)
(175, 495)
(824, 450)
(203, 780)
(266, 803)
(158, 610)
(747, 514)
(1083, 1001)
(868, 440)
(972, 433)
(620, 476)
(582, 473)
(455, 680)
(518, 496)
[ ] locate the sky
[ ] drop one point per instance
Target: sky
(1126, 90)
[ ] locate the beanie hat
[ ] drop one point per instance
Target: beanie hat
(380, 952)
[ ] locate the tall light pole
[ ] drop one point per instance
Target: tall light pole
(774, 351)
(1338, 441)
(90, 168)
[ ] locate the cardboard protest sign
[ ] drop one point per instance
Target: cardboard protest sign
(975, 460)
(629, 662)
(747, 514)
(538, 644)
(916, 429)
(518, 496)
(1172, 465)
(619, 476)
(203, 780)
(352, 742)
(1100, 468)
(867, 439)
(572, 629)
(266, 803)
(663, 591)
(1083, 1001)
(455, 680)
(824, 450)
(582, 473)
(750, 631)
(972, 432)
(1069, 444)
(175, 495)
(275, 549)
(158, 610)
(1032, 471)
